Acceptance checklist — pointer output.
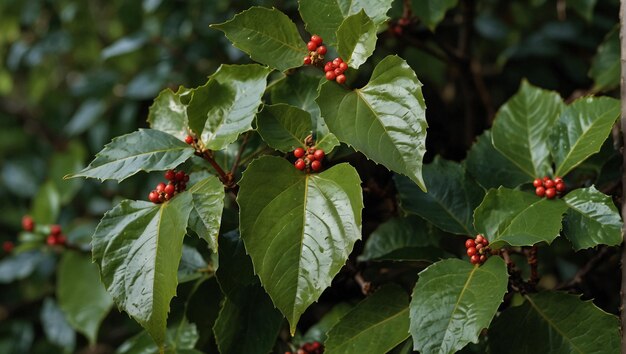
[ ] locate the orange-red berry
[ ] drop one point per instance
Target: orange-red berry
(319, 154)
(189, 139)
(321, 50)
(311, 46)
(298, 152)
(341, 79)
(537, 182)
(300, 164)
(330, 75)
(316, 165)
(540, 191)
(316, 39)
(550, 193)
(307, 60)
(28, 224)
(560, 187)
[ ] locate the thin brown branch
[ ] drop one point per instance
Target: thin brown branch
(584, 270)
(531, 257)
(226, 178)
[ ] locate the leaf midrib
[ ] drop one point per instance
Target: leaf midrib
(552, 324)
(458, 301)
(300, 50)
(517, 215)
(377, 324)
(90, 168)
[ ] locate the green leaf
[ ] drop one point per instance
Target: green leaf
(20, 266)
(555, 323)
(138, 246)
(268, 36)
(70, 160)
(168, 114)
(356, 39)
(179, 339)
(508, 216)
(226, 105)
(317, 332)
(376, 325)
(248, 321)
(46, 205)
(522, 128)
(583, 7)
(385, 120)
(55, 326)
(298, 228)
(453, 301)
(283, 127)
(206, 214)
(191, 265)
(605, 67)
(403, 239)
(451, 198)
(431, 12)
(144, 150)
(81, 295)
(300, 91)
(581, 130)
(323, 17)
(490, 168)
(591, 219)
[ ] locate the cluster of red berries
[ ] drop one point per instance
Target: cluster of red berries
(55, 237)
(316, 51)
(177, 183)
(548, 187)
(477, 249)
(310, 348)
(312, 161)
(335, 69)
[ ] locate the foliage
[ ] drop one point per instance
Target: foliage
(361, 255)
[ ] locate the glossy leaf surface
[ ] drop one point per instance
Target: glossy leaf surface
(298, 228)
(453, 301)
(385, 120)
(206, 214)
(144, 150)
(508, 216)
(356, 39)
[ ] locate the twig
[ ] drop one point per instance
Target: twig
(227, 178)
(622, 35)
(584, 270)
(531, 256)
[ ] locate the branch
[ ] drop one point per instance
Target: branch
(583, 271)
(622, 35)
(227, 178)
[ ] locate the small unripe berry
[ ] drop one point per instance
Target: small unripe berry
(550, 193)
(319, 154)
(548, 184)
(311, 46)
(479, 238)
(485, 242)
(186, 178)
(479, 246)
(540, 191)
(182, 186)
(560, 187)
(7, 246)
(189, 139)
(153, 197)
(341, 79)
(475, 259)
(300, 164)
(343, 66)
(170, 175)
(28, 224)
(321, 50)
(298, 152)
(316, 39)
(180, 175)
(307, 60)
(316, 165)
(330, 75)
(160, 187)
(537, 182)
(169, 190)
(483, 258)
(55, 230)
(470, 243)
(310, 157)
(471, 251)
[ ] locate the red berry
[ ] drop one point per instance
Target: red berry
(475, 259)
(189, 139)
(328, 66)
(470, 243)
(483, 258)
(307, 60)
(160, 187)
(7, 246)
(311, 46)
(545, 178)
(55, 230)
(548, 184)
(471, 251)
(186, 178)
(558, 179)
(51, 240)
(560, 187)
(316, 345)
(170, 175)
(540, 191)
(330, 75)
(316, 39)
(337, 62)
(180, 175)
(485, 242)
(154, 197)
(310, 157)
(321, 50)
(343, 66)
(537, 182)
(316, 165)
(341, 79)
(338, 72)
(298, 152)
(550, 193)
(28, 224)
(300, 164)
(60, 240)
(169, 190)
(319, 154)
(479, 238)
(479, 246)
